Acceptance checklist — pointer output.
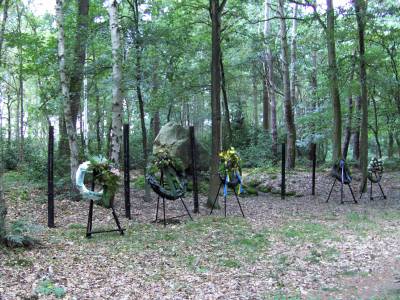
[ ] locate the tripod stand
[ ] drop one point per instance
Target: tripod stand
(226, 185)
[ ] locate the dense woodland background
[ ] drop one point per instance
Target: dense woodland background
(248, 74)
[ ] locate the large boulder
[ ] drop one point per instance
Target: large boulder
(175, 138)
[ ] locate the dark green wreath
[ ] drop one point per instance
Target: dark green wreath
(375, 170)
(166, 176)
(343, 176)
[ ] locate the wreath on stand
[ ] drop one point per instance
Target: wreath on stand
(230, 171)
(107, 176)
(341, 172)
(375, 170)
(166, 175)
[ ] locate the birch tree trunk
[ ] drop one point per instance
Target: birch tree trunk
(288, 110)
(3, 28)
(69, 122)
(116, 123)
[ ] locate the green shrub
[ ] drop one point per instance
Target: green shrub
(47, 287)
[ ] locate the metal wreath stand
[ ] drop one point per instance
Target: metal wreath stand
(341, 173)
(171, 185)
(375, 172)
(232, 183)
(94, 197)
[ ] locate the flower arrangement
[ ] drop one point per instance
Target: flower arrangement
(162, 160)
(106, 175)
(230, 161)
(165, 175)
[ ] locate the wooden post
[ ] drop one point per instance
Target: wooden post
(314, 164)
(194, 168)
(126, 173)
(283, 172)
(50, 179)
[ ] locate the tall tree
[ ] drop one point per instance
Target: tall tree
(216, 8)
(288, 110)
(116, 133)
(134, 5)
(3, 207)
(64, 82)
(269, 65)
(333, 81)
(293, 57)
(360, 7)
(348, 129)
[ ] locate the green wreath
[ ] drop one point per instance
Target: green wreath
(166, 176)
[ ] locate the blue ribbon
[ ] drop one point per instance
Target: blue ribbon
(226, 185)
(240, 182)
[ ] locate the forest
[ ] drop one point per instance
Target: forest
(261, 91)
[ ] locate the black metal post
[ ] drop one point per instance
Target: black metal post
(283, 172)
(194, 170)
(50, 179)
(314, 165)
(126, 173)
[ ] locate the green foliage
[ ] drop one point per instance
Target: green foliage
(47, 287)
(105, 172)
(20, 234)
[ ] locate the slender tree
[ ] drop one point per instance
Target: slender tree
(216, 8)
(68, 114)
(288, 110)
(116, 132)
(3, 207)
(360, 7)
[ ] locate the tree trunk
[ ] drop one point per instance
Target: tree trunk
(138, 76)
(68, 114)
(356, 134)
(98, 119)
(376, 129)
(255, 100)
(3, 207)
(20, 91)
(360, 8)
(397, 138)
(333, 82)
(76, 80)
(228, 127)
(347, 134)
(215, 14)
(266, 104)
(156, 123)
(116, 132)
(271, 82)
(288, 111)
(63, 146)
(293, 58)
(3, 28)
(390, 145)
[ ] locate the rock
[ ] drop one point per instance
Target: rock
(175, 138)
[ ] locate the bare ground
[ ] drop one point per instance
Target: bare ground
(297, 248)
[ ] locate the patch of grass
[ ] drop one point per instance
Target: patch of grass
(47, 287)
(360, 223)
(20, 262)
(139, 182)
(230, 263)
(282, 296)
(300, 232)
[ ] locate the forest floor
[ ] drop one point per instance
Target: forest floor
(297, 248)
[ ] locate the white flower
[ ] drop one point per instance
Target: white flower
(115, 171)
